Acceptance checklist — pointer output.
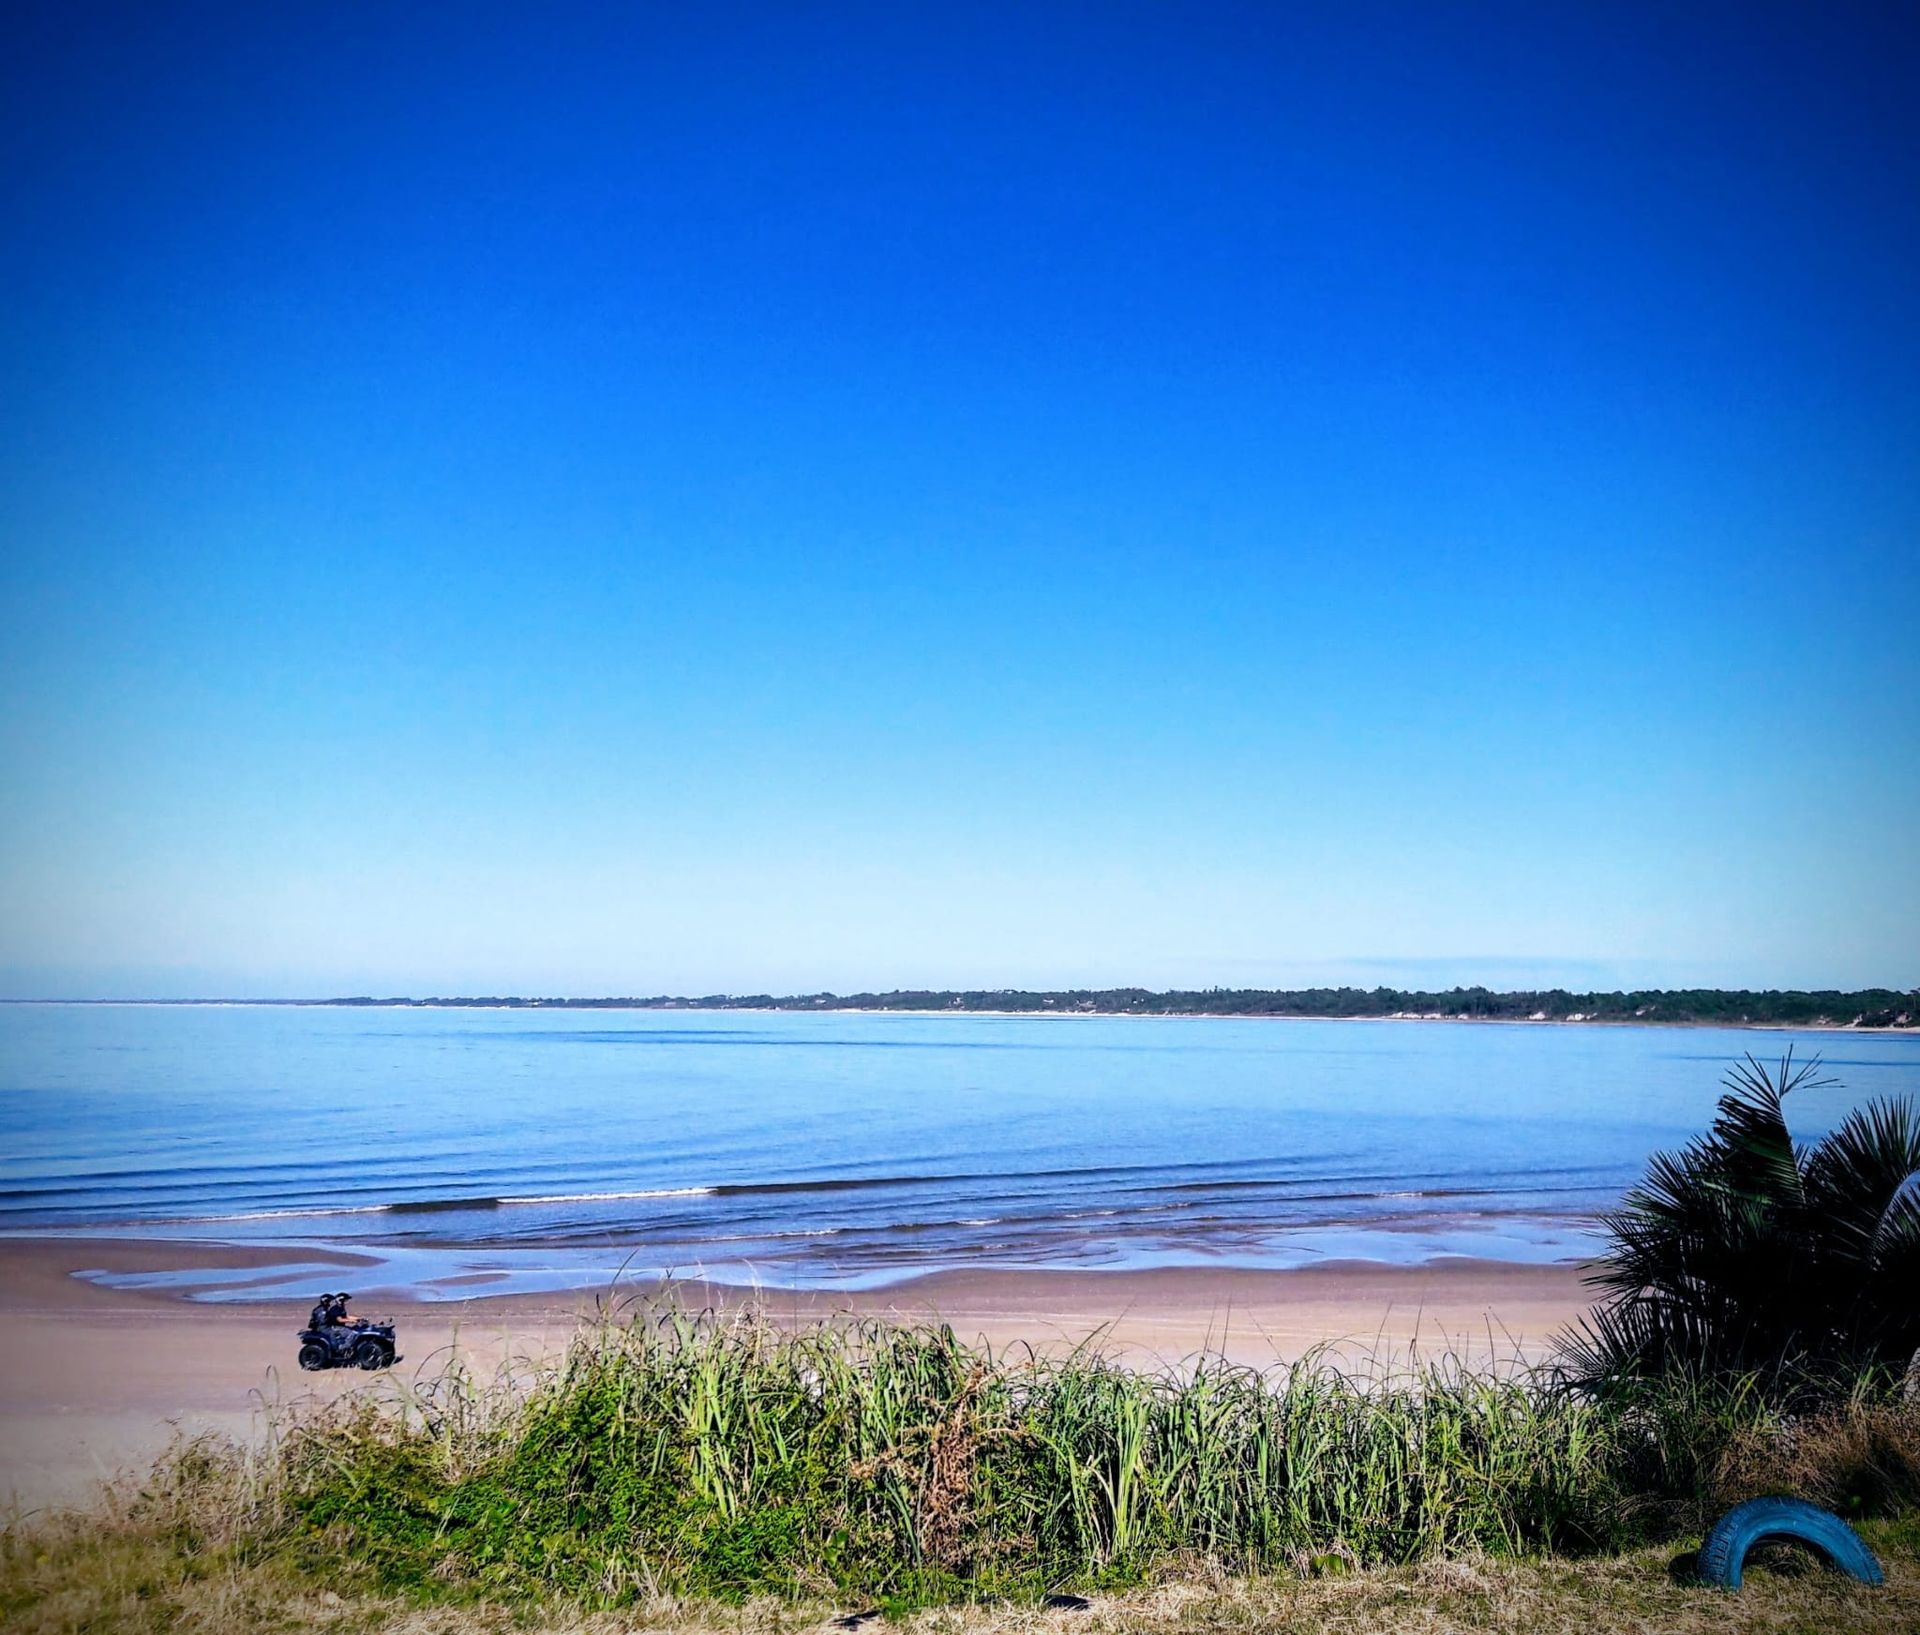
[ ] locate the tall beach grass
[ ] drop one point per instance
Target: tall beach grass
(726, 1455)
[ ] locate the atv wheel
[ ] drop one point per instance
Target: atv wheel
(314, 1356)
(370, 1354)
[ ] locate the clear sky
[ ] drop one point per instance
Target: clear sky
(629, 498)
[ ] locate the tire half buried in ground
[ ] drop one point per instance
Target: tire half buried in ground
(1781, 1520)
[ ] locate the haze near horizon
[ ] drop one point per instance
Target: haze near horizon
(652, 502)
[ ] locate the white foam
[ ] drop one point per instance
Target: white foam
(609, 1197)
(289, 1214)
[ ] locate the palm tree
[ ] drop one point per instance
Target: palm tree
(1744, 1252)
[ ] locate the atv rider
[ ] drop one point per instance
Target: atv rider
(332, 1313)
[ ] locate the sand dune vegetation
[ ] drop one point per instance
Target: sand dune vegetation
(674, 1462)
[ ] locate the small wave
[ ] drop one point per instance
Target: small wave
(1076, 1178)
(432, 1206)
(609, 1197)
(1178, 1197)
(286, 1214)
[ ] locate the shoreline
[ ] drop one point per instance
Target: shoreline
(218, 1262)
(34, 1264)
(95, 1380)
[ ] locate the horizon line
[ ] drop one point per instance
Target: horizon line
(822, 994)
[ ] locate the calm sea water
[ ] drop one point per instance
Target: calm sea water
(846, 1149)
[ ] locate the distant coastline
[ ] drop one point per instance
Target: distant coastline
(1879, 1009)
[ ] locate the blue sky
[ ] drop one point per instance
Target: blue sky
(599, 499)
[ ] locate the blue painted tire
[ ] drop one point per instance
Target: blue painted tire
(1773, 1520)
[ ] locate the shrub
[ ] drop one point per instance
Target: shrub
(1745, 1253)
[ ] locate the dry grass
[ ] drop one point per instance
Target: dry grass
(105, 1581)
(1860, 1457)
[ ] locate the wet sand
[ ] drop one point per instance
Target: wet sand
(95, 1380)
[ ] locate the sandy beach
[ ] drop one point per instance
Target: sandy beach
(94, 1380)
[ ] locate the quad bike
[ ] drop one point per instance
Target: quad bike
(348, 1345)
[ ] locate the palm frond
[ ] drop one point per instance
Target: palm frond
(1860, 1178)
(1898, 1233)
(1751, 1127)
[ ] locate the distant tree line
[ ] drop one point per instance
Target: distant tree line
(1823, 1007)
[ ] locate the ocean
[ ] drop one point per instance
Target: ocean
(550, 1149)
